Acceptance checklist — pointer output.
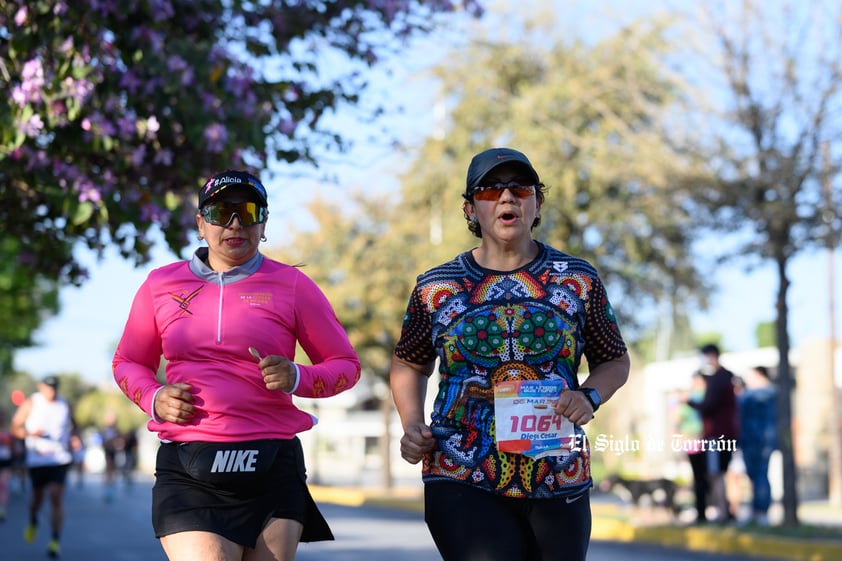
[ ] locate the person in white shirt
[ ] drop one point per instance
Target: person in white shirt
(45, 422)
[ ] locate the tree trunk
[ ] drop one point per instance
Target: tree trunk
(785, 385)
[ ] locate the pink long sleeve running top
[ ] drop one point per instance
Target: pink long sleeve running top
(203, 323)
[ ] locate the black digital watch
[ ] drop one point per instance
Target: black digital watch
(593, 396)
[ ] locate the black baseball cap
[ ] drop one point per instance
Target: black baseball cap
(486, 161)
(709, 349)
(223, 179)
(51, 381)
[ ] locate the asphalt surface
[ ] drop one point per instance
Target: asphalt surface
(368, 527)
(94, 529)
(611, 529)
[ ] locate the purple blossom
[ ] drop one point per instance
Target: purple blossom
(161, 9)
(176, 64)
(126, 125)
(155, 39)
(138, 155)
(209, 101)
(32, 70)
(19, 96)
(106, 127)
(287, 126)
(20, 16)
(78, 90)
(152, 85)
(88, 191)
(107, 181)
(390, 8)
(135, 90)
(113, 104)
(36, 159)
(151, 212)
(66, 174)
(239, 84)
(104, 7)
(130, 82)
(163, 156)
(188, 77)
(216, 135)
(33, 126)
(99, 125)
(60, 8)
(218, 56)
(248, 104)
(29, 90)
(66, 46)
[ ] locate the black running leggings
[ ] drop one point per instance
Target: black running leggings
(469, 524)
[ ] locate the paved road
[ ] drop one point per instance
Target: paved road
(93, 529)
(121, 531)
(378, 534)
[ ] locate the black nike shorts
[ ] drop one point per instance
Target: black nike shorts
(184, 500)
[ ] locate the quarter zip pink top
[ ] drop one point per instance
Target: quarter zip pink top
(203, 323)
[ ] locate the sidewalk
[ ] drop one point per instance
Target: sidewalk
(768, 543)
(611, 523)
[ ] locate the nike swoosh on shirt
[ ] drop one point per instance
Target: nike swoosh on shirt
(569, 500)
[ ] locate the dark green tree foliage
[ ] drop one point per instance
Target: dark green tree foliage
(116, 109)
(25, 300)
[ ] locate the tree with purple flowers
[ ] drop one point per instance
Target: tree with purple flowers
(115, 110)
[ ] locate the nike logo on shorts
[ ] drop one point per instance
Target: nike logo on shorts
(569, 500)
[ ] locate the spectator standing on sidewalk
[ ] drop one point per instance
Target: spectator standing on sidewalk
(718, 408)
(45, 421)
(758, 438)
(736, 480)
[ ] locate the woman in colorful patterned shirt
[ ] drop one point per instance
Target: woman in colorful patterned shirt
(229, 476)
(506, 465)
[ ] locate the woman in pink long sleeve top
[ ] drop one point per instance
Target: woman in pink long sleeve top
(230, 478)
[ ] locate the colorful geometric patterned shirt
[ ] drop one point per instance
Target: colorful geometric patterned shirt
(485, 327)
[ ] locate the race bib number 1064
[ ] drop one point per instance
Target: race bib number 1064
(525, 419)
